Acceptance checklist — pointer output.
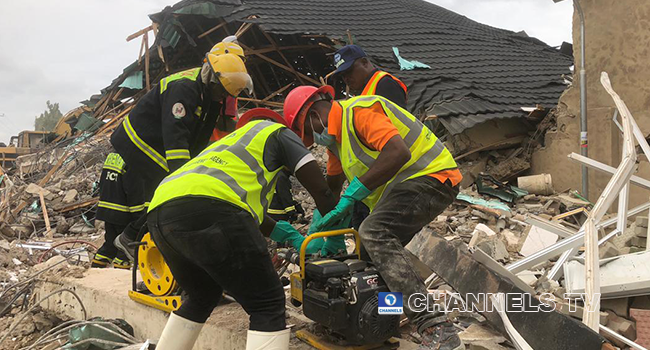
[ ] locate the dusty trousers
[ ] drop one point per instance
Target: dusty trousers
(212, 246)
(395, 220)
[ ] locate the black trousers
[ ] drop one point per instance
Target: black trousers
(212, 246)
(108, 249)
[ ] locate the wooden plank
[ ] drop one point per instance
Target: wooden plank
(207, 32)
(117, 94)
(276, 63)
(570, 213)
(115, 120)
(512, 140)
(146, 60)
(42, 182)
(268, 103)
(284, 58)
(141, 52)
(139, 33)
(77, 205)
(277, 92)
(282, 48)
(48, 232)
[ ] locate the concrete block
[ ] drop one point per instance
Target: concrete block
(70, 196)
(537, 240)
(35, 190)
(622, 326)
(642, 319)
(619, 306)
(642, 221)
(641, 231)
(512, 240)
(481, 233)
(495, 248)
(638, 242)
(608, 250)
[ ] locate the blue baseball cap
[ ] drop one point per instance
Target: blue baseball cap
(345, 57)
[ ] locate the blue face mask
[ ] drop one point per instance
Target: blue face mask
(324, 139)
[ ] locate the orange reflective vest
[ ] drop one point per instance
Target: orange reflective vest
(371, 86)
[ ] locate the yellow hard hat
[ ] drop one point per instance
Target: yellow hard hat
(221, 48)
(231, 72)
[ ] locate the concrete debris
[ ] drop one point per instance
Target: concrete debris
(481, 337)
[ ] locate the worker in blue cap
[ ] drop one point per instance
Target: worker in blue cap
(363, 78)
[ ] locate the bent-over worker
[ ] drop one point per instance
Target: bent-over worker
(208, 221)
(398, 168)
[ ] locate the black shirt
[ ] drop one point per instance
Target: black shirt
(390, 89)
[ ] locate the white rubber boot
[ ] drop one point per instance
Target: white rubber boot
(179, 334)
(268, 340)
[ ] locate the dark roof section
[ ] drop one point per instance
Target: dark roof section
(478, 72)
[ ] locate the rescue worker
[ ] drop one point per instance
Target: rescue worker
(120, 201)
(361, 76)
(208, 221)
(283, 207)
(173, 123)
(396, 166)
(226, 122)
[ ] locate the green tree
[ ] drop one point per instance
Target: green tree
(48, 119)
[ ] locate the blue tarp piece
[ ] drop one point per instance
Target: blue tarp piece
(406, 64)
(133, 81)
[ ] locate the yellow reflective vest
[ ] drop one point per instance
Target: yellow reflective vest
(428, 154)
(231, 169)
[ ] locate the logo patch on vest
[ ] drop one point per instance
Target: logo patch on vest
(178, 110)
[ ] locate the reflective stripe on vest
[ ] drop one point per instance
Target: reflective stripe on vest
(231, 169)
(191, 74)
(428, 154)
(143, 146)
(371, 86)
(120, 207)
(114, 163)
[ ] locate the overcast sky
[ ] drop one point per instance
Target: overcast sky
(66, 50)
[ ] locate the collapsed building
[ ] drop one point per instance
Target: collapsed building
(487, 92)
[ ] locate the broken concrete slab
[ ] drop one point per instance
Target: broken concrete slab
(623, 276)
(104, 293)
(641, 221)
(477, 337)
(536, 240)
(70, 196)
(639, 242)
(608, 250)
(481, 232)
(452, 262)
(495, 248)
(35, 190)
(641, 231)
(512, 240)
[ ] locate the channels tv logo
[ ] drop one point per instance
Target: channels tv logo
(390, 303)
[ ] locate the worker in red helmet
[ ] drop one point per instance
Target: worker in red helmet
(209, 219)
(398, 168)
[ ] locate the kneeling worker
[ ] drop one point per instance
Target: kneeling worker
(397, 167)
(208, 220)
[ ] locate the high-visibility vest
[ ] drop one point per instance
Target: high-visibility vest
(231, 169)
(428, 153)
(371, 86)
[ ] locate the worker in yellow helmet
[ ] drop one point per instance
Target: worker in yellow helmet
(209, 219)
(173, 122)
(228, 118)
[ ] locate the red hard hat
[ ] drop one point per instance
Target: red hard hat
(260, 113)
(297, 101)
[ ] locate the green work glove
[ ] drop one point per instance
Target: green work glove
(331, 245)
(357, 191)
(284, 232)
